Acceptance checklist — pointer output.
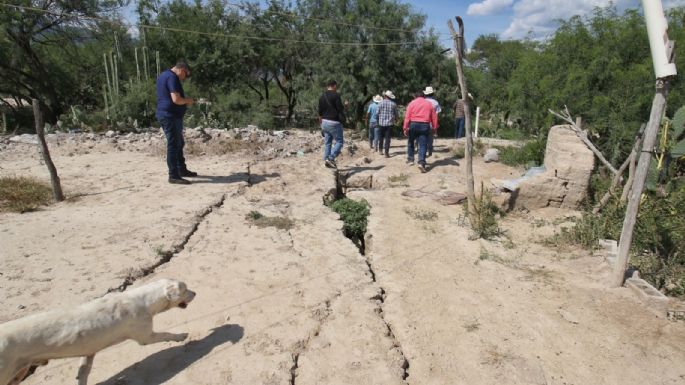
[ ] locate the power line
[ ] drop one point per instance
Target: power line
(214, 34)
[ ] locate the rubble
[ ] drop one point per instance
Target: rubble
(264, 144)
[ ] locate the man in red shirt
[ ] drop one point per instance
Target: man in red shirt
(419, 120)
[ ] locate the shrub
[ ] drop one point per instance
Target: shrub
(485, 224)
(21, 194)
(354, 216)
(260, 220)
(531, 154)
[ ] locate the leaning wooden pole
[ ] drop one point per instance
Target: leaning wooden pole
(651, 133)
(54, 178)
(458, 57)
(664, 69)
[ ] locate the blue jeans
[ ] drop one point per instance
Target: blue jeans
(459, 127)
(420, 131)
(373, 137)
(377, 132)
(173, 130)
(384, 139)
(332, 130)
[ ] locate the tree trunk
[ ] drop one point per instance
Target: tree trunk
(54, 178)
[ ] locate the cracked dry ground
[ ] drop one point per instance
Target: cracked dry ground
(424, 305)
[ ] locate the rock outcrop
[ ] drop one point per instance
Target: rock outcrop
(568, 164)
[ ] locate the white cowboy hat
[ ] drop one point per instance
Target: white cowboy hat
(428, 91)
(377, 98)
(389, 94)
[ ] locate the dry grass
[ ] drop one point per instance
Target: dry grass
(259, 220)
(22, 194)
(422, 215)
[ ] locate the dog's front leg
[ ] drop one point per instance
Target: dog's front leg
(84, 369)
(153, 338)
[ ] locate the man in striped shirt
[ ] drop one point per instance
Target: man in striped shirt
(387, 116)
(459, 118)
(420, 121)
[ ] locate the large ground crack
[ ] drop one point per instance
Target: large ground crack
(359, 241)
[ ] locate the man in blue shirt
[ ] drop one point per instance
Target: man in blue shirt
(372, 121)
(171, 106)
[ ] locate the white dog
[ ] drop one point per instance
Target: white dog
(88, 328)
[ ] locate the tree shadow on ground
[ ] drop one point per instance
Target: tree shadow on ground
(251, 179)
(164, 365)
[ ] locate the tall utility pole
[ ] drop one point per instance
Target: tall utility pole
(459, 57)
(664, 69)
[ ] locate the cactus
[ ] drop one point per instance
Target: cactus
(678, 149)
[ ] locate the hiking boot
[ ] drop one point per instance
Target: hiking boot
(387, 155)
(410, 162)
(179, 181)
(188, 173)
(422, 167)
(330, 163)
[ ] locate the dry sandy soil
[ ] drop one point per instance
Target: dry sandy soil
(423, 305)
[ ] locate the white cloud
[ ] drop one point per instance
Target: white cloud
(488, 7)
(539, 17)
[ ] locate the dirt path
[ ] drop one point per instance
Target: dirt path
(424, 305)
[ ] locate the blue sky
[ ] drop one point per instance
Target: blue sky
(512, 19)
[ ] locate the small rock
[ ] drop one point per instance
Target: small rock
(21, 307)
(491, 155)
(110, 134)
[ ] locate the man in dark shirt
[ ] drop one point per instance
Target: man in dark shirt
(332, 115)
(171, 106)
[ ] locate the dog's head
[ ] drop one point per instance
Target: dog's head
(178, 294)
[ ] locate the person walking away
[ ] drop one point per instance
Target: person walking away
(171, 106)
(372, 121)
(332, 114)
(459, 118)
(387, 117)
(429, 93)
(419, 120)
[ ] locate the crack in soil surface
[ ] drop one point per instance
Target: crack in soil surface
(302, 345)
(167, 255)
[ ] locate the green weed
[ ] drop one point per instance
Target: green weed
(22, 194)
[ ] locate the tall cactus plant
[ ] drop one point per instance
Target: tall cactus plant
(678, 149)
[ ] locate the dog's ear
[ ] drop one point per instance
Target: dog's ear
(173, 291)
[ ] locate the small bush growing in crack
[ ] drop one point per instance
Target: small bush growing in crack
(354, 216)
(261, 221)
(422, 215)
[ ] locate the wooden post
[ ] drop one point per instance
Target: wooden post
(54, 179)
(651, 133)
(459, 51)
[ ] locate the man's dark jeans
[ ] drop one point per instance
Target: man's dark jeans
(421, 132)
(173, 130)
(459, 127)
(384, 139)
